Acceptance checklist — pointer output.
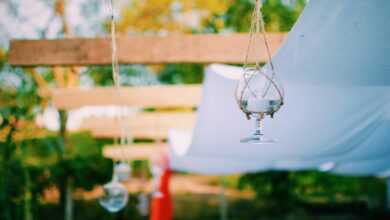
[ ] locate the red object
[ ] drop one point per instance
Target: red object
(162, 207)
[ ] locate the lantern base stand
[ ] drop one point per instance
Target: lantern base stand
(257, 139)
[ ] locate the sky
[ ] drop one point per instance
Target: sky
(34, 19)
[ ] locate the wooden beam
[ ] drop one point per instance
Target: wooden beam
(143, 125)
(197, 48)
(140, 96)
(134, 151)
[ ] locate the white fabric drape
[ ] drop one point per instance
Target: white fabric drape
(335, 70)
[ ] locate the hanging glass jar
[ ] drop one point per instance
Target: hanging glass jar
(258, 93)
(115, 196)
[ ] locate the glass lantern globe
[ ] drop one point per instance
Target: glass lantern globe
(115, 196)
(122, 171)
(258, 95)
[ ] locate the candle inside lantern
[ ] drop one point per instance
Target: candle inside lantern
(259, 105)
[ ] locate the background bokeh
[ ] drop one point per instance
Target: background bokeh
(38, 164)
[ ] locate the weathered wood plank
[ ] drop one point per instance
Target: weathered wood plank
(134, 151)
(140, 96)
(199, 48)
(143, 125)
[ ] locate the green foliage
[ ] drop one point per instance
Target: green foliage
(41, 160)
(85, 172)
(17, 101)
(3, 60)
(181, 74)
(278, 16)
(129, 75)
(285, 190)
(101, 75)
(39, 153)
(17, 92)
(273, 187)
(239, 14)
(132, 75)
(30, 166)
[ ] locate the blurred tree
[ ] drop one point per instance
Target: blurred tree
(130, 75)
(181, 73)
(156, 16)
(284, 191)
(17, 100)
(273, 187)
(30, 166)
(65, 168)
(2, 58)
(159, 16)
(278, 16)
(201, 16)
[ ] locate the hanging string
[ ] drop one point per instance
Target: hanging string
(258, 27)
(252, 41)
(114, 55)
(261, 25)
(124, 137)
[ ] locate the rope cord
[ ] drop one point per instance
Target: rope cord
(258, 27)
(124, 138)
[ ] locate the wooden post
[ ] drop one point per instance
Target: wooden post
(27, 195)
(223, 206)
(65, 188)
(69, 199)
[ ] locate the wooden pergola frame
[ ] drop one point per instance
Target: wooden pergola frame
(199, 48)
(160, 96)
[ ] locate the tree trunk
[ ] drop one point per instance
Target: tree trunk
(69, 200)
(27, 196)
(5, 211)
(66, 187)
(6, 153)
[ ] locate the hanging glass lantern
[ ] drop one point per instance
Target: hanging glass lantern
(258, 93)
(122, 171)
(115, 196)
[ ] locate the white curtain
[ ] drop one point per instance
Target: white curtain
(335, 70)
